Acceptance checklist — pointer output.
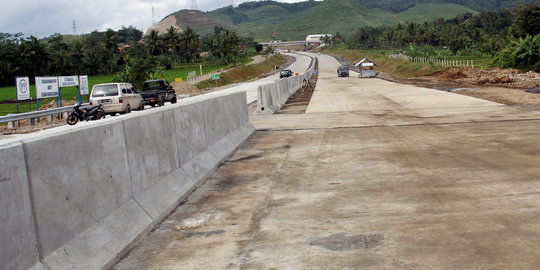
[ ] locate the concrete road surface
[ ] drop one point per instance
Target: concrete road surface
(300, 65)
(375, 175)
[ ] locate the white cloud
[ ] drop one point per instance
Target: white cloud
(43, 18)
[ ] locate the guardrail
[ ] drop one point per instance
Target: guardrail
(10, 118)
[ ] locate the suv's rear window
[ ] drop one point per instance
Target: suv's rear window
(105, 90)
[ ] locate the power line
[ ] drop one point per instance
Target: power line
(193, 4)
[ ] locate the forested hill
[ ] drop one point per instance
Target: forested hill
(479, 5)
(290, 21)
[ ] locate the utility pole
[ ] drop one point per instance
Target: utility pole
(153, 16)
(232, 3)
(193, 4)
(74, 28)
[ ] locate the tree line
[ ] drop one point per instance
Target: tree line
(510, 37)
(110, 52)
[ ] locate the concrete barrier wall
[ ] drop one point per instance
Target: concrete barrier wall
(271, 97)
(80, 198)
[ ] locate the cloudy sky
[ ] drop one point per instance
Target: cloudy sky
(43, 18)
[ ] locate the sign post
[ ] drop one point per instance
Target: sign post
(83, 87)
(23, 91)
(215, 77)
(46, 87)
(65, 81)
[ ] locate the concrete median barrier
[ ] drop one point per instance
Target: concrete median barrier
(80, 198)
(19, 248)
(271, 97)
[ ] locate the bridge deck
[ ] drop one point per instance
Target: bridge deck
(374, 175)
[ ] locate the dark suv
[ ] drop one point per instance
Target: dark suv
(343, 71)
(285, 73)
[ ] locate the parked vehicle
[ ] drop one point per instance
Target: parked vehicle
(116, 97)
(156, 92)
(92, 113)
(343, 71)
(285, 73)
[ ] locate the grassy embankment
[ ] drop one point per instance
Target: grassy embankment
(397, 67)
(244, 73)
(70, 93)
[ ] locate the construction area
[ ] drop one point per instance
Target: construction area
(367, 174)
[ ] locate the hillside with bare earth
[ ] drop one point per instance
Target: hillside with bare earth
(162, 26)
(292, 21)
(202, 22)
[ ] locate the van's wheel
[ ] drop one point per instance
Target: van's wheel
(128, 109)
(173, 100)
(141, 106)
(161, 102)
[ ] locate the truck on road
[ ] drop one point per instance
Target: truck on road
(157, 92)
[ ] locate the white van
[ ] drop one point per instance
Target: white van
(116, 97)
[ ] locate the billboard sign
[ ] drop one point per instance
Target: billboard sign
(67, 81)
(46, 87)
(83, 80)
(23, 88)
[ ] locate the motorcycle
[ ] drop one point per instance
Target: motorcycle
(92, 113)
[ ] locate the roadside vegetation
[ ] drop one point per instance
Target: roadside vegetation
(244, 72)
(116, 56)
(116, 52)
(505, 39)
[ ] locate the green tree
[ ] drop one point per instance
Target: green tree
(191, 43)
(152, 43)
(110, 43)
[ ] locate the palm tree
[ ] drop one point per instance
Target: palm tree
(389, 36)
(152, 42)
(172, 38)
(111, 46)
(33, 54)
(92, 61)
(191, 43)
(77, 53)
(412, 30)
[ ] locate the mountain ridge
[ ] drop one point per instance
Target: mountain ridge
(291, 21)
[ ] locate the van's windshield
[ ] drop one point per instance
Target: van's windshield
(105, 90)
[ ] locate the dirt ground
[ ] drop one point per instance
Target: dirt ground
(503, 86)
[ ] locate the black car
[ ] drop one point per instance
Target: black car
(343, 71)
(285, 73)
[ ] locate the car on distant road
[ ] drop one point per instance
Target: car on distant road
(343, 71)
(116, 97)
(285, 73)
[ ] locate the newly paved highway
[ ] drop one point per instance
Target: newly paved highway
(375, 175)
(300, 65)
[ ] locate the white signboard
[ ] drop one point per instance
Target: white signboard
(46, 87)
(83, 80)
(67, 81)
(23, 88)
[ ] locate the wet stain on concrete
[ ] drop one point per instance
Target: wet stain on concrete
(205, 234)
(345, 241)
(248, 158)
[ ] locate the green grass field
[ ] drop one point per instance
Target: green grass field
(70, 93)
